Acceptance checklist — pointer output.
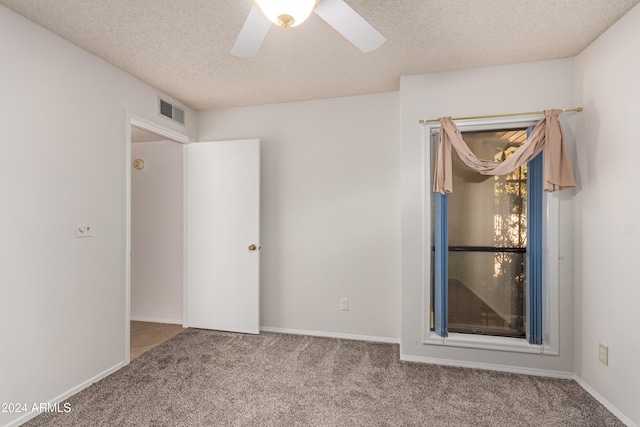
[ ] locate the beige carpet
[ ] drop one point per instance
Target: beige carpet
(207, 378)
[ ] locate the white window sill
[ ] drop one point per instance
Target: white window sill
(485, 342)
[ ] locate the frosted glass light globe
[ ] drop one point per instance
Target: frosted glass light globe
(287, 13)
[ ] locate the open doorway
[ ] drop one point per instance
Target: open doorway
(157, 240)
(221, 231)
(155, 236)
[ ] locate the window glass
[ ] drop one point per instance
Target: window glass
(487, 241)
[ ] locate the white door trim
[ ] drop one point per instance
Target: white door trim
(151, 126)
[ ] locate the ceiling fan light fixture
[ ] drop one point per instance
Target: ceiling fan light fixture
(287, 13)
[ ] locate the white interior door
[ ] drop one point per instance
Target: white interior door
(223, 236)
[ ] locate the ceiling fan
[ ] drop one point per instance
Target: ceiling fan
(290, 13)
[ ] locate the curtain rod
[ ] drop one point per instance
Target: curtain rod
(531, 113)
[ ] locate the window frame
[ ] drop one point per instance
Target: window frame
(550, 246)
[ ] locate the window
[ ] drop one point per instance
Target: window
(494, 231)
(483, 228)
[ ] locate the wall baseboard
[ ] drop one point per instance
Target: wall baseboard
(156, 320)
(489, 367)
(67, 394)
(387, 340)
(604, 402)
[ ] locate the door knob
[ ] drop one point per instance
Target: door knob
(252, 248)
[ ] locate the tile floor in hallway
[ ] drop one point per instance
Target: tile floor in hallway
(146, 335)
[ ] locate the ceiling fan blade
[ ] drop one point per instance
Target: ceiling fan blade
(252, 35)
(352, 26)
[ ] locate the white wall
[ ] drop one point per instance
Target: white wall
(63, 158)
(330, 211)
(606, 211)
(494, 90)
(157, 232)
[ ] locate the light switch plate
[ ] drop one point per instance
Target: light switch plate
(84, 229)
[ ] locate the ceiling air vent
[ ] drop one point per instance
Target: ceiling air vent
(171, 111)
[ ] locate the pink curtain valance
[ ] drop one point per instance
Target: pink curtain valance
(547, 135)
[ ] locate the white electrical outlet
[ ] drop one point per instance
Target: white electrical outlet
(344, 304)
(603, 354)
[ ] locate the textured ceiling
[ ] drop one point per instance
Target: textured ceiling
(181, 47)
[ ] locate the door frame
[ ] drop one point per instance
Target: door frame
(170, 134)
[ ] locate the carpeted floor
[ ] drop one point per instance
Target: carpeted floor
(208, 378)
